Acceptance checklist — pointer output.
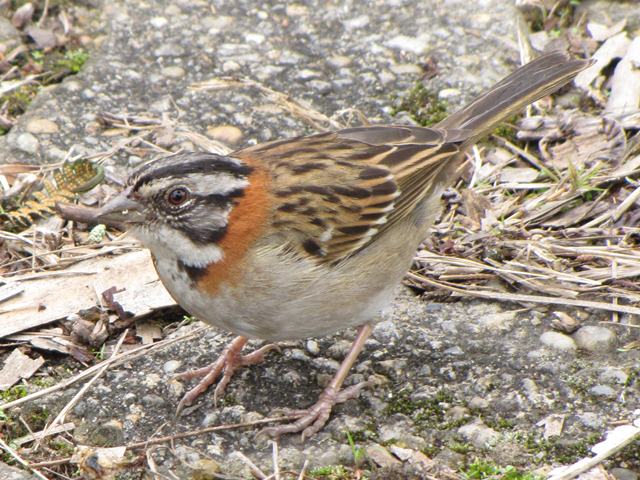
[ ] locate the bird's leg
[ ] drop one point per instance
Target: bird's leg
(313, 419)
(224, 367)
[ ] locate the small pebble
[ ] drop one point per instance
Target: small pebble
(405, 43)
(595, 338)
(446, 93)
(158, 22)
(558, 341)
(109, 434)
(477, 403)
(591, 420)
(565, 323)
(173, 71)
(614, 375)
(386, 332)
(230, 66)
(381, 456)
(169, 50)
(171, 366)
(152, 401)
(41, 125)
(478, 434)
(455, 350)
(623, 474)
(457, 413)
(27, 143)
(339, 61)
(227, 134)
(602, 391)
(312, 347)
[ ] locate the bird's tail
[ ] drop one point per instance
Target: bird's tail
(529, 83)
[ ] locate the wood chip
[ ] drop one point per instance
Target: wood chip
(625, 83)
(18, 366)
(65, 427)
(148, 332)
(42, 303)
(411, 456)
(602, 32)
(10, 290)
(616, 440)
(553, 425)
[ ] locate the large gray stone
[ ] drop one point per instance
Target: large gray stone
(12, 473)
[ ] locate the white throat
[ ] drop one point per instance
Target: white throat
(168, 242)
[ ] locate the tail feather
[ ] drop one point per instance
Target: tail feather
(527, 84)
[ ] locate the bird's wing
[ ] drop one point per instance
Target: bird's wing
(336, 192)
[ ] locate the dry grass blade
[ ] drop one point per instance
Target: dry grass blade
(514, 297)
(114, 360)
(20, 460)
(616, 440)
(63, 413)
(296, 108)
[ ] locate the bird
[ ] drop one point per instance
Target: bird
(307, 236)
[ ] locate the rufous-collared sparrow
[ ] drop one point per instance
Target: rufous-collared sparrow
(307, 236)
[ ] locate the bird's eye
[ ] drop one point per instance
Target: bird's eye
(177, 196)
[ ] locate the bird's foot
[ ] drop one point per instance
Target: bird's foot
(223, 369)
(315, 417)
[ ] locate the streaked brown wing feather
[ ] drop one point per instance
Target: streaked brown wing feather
(337, 191)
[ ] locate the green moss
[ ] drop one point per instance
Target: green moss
(73, 60)
(37, 417)
(632, 376)
(229, 400)
(17, 101)
(462, 448)
(481, 469)
(331, 472)
(356, 451)
(43, 382)
(557, 450)
(64, 449)
(14, 393)
(428, 413)
(631, 454)
(422, 104)
(507, 130)
(431, 450)
(500, 424)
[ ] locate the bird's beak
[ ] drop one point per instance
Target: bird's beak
(120, 210)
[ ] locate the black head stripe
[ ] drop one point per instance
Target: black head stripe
(194, 273)
(187, 163)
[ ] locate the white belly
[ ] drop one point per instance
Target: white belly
(281, 297)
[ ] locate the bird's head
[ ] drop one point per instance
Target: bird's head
(180, 205)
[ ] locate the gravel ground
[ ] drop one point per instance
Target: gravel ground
(455, 381)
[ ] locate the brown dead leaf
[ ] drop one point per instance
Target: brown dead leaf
(100, 463)
(87, 332)
(476, 206)
(583, 140)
